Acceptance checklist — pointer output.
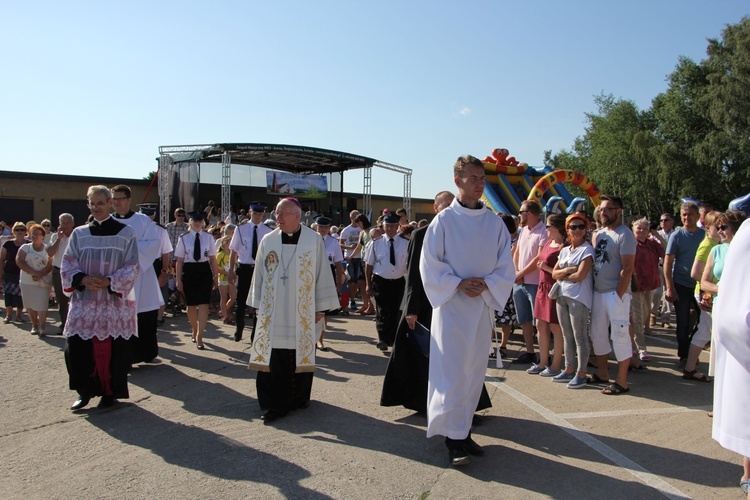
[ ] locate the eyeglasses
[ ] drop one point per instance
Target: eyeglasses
(723, 227)
(282, 214)
(577, 227)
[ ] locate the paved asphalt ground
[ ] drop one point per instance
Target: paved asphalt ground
(191, 429)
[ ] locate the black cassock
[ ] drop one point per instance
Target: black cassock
(406, 378)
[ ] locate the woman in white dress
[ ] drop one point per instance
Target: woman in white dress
(36, 278)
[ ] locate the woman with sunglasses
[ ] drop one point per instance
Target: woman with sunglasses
(11, 273)
(573, 272)
(705, 300)
(545, 311)
(727, 223)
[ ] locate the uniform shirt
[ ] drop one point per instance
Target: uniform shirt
(242, 241)
(186, 244)
(333, 250)
(379, 257)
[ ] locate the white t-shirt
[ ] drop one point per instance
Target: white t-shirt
(583, 291)
(350, 236)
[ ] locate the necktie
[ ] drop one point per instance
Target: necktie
(393, 253)
(197, 247)
(255, 242)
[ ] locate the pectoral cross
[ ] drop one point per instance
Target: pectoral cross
(284, 278)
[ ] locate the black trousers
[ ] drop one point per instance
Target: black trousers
(62, 300)
(79, 360)
(683, 304)
(282, 390)
(388, 295)
(144, 346)
(244, 277)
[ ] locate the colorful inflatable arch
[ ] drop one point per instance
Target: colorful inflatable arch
(552, 178)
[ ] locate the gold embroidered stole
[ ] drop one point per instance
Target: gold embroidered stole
(304, 267)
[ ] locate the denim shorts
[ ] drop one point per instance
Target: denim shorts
(523, 298)
(354, 269)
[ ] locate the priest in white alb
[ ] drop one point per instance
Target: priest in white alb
(291, 289)
(731, 327)
(467, 271)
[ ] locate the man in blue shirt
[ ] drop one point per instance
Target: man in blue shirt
(678, 262)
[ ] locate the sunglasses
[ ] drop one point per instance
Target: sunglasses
(19, 230)
(577, 227)
(179, 215)
(723, 227)
(665, 220)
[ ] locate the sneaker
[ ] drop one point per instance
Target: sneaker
(525, 358)
(564, 377)
(644, 356)
(535, 370)
(34, 331)
(352, 305)
(549, 372)
(578, 382)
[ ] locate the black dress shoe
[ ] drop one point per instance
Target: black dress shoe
(303, 405)
(106, 402)
(472, 448)
(238, 336)
(80, 403)
(382, 346)
(271, 416)
(458, 456)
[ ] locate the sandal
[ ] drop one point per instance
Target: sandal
(694, 375)
(503, 351)
(615, 389)
(596, 379)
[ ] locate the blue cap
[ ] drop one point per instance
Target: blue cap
(391, 218)
(323, 221)
(258, 207)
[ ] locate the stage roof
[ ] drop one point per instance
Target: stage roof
(296, 159)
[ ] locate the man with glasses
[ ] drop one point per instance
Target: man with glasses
(615, 247)
(244, 246)
(177, 228)
(465, 282)
(533, 237)
(99, 270)
(679, 285)
(59, 243)
(147, 290)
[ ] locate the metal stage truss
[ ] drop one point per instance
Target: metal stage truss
(287, 158)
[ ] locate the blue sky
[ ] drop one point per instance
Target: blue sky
(95, 87)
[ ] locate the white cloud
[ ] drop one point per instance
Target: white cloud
(464, 111)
